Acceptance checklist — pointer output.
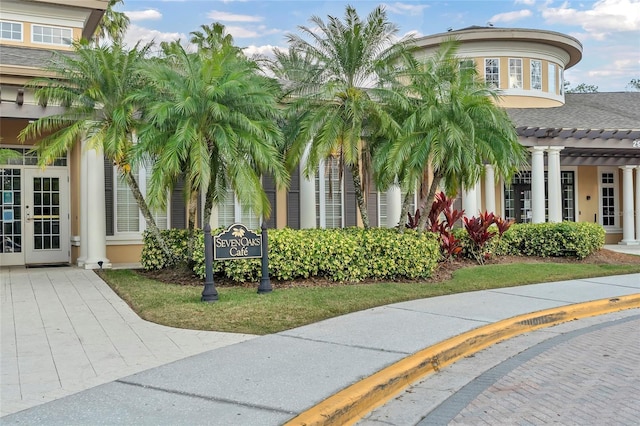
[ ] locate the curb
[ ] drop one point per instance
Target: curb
(352, 403)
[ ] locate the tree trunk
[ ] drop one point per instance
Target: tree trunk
(150, 221)
(208, 205)
(357, 185)
(193, 209)
(405, 209)
(424, 215)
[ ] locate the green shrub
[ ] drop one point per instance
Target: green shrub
(351, 254)
(552, 239)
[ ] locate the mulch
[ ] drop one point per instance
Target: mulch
(184, 276)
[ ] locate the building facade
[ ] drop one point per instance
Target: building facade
(585, 152)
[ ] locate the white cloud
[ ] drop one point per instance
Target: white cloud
(606, 16)
(265, 51)
(143, 35)
(527, 2)
(218, 15)
(511, 16)
(405, 8)
(250, 32)
(143, 15)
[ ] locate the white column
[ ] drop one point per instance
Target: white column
(489, 189)
(307, 195)
(537, 184)
(628, 221)
(638, 204)
(478, 196)
(555, 184)
(394, 205)
(470, 201)
(96, 222)
(84, 206)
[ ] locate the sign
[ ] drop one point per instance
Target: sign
(237, 242)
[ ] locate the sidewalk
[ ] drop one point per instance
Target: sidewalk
(270, 379)
(64, 330)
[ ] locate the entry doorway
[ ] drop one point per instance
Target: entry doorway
(35, 216)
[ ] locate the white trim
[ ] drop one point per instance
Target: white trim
(21, 31)
(40, 13)
(576, 191)
(52, 27)
(531, 88)
(121, 240)
(321, 191)
(616, 213)
(555, 73)
(509, 82)
(484, 62)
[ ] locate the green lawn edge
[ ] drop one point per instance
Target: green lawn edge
(242, 310)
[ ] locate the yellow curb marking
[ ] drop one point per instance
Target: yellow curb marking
(350, 404)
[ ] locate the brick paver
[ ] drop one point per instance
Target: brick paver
(593, 378)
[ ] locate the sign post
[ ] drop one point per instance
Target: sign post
(237, 242)
(209, 294)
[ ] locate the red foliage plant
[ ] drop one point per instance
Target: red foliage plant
(443, 205)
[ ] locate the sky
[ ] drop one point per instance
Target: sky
(609, 30)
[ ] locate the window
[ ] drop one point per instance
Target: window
(515, 73)
(467, 64)
(552, 78)
(230, 211)
(562, 81)
(128, 218)
(329, 194)
(51, 35)
(608, 198)
(383, 209)
(492, 72)
(568, 196)
(536, 75)
(10, 31)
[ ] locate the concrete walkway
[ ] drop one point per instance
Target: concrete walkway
(271, 379)
(64, 330)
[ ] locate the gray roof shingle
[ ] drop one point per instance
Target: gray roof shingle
(609, 111)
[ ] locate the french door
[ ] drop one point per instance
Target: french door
(35, 216)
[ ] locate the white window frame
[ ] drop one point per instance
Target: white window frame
(239, 214)
(516, 78)
(497, 66)
(616, 203)
(383, 213)
(321, 191)
(12, 23)
(551, 78)
(536, 78)
(34, 26)
(141, 177)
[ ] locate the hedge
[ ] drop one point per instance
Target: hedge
(579, 239)
(351, 254)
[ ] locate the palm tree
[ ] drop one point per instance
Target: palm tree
(212, 120)
(335, 99)
(113, 24)
(451, 129)
(94, 84)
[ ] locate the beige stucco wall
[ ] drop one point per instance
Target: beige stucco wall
(124, 253)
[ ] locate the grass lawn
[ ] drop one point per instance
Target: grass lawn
(242, 310)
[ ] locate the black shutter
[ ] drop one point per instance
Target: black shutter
(293, 200)
(178, 206)
(350, 203)
(372, 205)
(269, 186)
(108, 196)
